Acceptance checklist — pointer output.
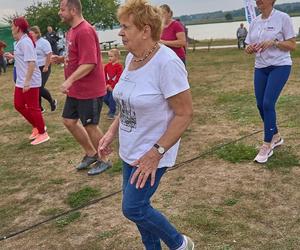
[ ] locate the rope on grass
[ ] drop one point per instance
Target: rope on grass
(176, 166)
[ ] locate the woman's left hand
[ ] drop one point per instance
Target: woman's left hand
(265, 45)
(146, 166)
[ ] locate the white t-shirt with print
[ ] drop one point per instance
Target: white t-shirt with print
(144, 111)
(25, 52)
(277, 26)
(43, 48)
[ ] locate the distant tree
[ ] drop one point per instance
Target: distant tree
(101, 13)
(228, 16)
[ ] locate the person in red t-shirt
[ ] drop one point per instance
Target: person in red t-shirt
(113, 71)
(84, 84)
(173, 34)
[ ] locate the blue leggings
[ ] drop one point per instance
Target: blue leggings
(268, 84)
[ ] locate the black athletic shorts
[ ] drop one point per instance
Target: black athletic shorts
(88, 111)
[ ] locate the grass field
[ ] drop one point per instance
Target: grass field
(222, 200)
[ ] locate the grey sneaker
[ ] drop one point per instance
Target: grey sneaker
(86, 161)
(99, 167)
(190, 243)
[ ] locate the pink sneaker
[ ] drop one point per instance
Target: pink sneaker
(34, 134)
(264, 153)
(276, 142)
(40, 139)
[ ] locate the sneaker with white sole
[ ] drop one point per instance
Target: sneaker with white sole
(87, 161)
(190, 244)
(99, 167)
(34, 134)
(276, 142)
(41, 138)
(264, 153)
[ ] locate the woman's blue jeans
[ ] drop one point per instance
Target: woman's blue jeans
(153, 226)
(268, 84)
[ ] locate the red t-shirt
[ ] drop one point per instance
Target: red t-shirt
(83, 48)
(112, 73)
(169, 34)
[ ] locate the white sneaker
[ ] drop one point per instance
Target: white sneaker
(276, 142)
(264, 153)
(190, 244)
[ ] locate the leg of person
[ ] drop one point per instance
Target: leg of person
(4, 65)
(71, 121)
(112, 105)
(32, 102)
(45, 92)
(151, 223)
(20, 105)
(260, 83)
(276, 81)
(89, 114)
(15, 74)
(106, 100)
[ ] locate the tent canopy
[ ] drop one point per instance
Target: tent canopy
(5, 36)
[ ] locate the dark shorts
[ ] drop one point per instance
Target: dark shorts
(88, 111)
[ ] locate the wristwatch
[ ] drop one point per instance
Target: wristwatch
(276, 42)
(161, 150)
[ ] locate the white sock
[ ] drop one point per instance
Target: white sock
(184, 244)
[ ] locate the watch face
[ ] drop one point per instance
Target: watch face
(161, 150)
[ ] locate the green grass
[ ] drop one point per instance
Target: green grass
(237, 153)
(108, 234)
(231, 202)
(81, 197)
(68, 219)
(116, 168)
(283, 159)
(51, 211)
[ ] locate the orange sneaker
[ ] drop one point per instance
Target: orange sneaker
(34, 134)
(40, 139)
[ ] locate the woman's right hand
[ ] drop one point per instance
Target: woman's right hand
(104, 148)
(8, 56)
(251, 49)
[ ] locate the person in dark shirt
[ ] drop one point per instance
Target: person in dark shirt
(52, 37)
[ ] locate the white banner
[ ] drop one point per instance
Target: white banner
(250, 10)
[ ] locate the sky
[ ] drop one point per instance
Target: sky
(179, 7)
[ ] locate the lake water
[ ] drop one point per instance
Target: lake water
(199, 32)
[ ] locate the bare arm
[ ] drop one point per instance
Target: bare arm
(80, 72)
(181, 104)
(179, 42)
(287, 45)
(48, 59)
(47, 62)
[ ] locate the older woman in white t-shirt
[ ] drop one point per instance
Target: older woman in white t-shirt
(28, 82)
(155, 109)
(271, 37)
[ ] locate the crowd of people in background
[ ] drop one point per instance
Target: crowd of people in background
(154, 79)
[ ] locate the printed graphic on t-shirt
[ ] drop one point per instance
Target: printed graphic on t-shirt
(127, 113)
